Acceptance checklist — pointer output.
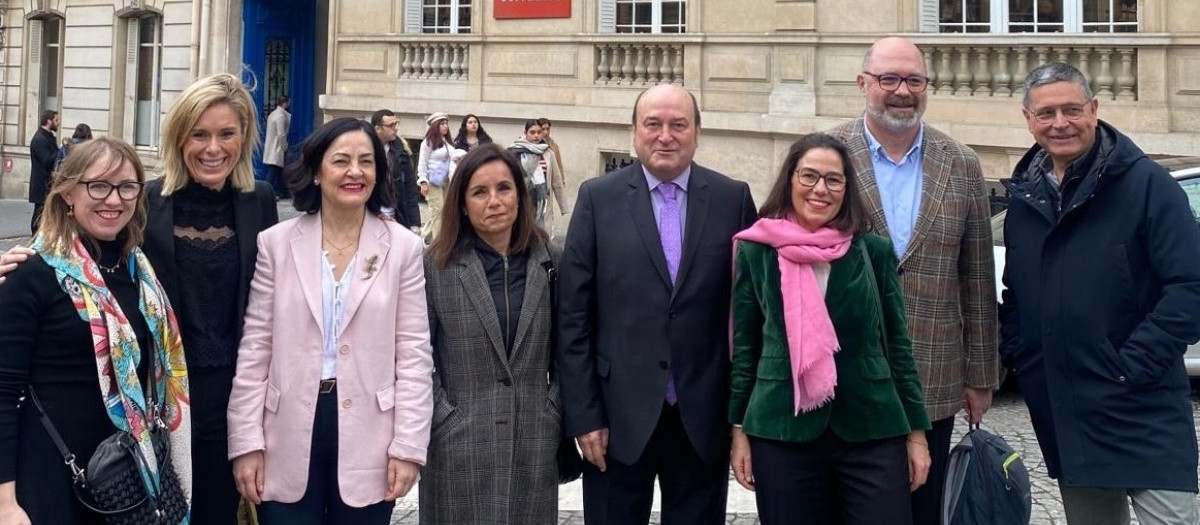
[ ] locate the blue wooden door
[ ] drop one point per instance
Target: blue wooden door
(278, 47)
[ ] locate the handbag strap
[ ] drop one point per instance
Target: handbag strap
(552, 280)
(68, 457)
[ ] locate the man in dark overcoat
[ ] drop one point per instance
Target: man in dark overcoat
(42, 148)
(1103, 296)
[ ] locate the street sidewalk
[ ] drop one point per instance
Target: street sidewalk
(14, 218)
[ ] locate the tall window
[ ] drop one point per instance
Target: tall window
(446, 16)
(50, 53)
(651, 16)
(147, 33)
(1036, 16)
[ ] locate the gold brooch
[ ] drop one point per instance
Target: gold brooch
(371, 266)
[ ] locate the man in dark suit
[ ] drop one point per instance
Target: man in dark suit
(42, 148)
(644, 316)
(402, 179)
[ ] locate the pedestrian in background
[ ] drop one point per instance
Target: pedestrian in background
(400, 186)
(333, 436)
(471, 134)
(497, 421)
(925, 191)
(826, 406)
(435, 165)
(83, 133)
(42, 149)
(276, 144)
(1101, 299)
(77, 325)
(643, 323)
(540, 170)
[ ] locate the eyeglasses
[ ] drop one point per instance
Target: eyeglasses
(100, 190)
(890, 82)
(834, 182)
(1069, 112)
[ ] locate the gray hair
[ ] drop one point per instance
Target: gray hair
(1054, 72)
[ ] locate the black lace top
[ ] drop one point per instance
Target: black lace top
(206, 255)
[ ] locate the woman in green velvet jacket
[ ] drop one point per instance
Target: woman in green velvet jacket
(827, 409)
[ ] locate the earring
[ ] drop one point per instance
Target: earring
(316, 181)
(70, 210)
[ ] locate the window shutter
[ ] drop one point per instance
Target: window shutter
(35, 41)
(412, 16)
(606, 21)
(928, 16)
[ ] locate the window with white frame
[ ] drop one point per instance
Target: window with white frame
(650, 16)
(144, 81)
(1035, 16)
(445, 16)
(50, 31)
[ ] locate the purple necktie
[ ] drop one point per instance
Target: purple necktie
(668, 231)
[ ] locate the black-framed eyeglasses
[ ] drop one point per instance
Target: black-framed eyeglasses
(891, 82)
(100, 190)
(834, 182)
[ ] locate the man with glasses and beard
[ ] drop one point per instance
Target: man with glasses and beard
(925, 191)
(42, 149)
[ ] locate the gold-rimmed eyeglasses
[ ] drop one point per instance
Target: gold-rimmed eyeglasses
(1069, 112)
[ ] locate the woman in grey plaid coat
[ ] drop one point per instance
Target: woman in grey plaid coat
(496, 416)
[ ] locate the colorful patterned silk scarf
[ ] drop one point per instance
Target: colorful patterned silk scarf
(118, 355)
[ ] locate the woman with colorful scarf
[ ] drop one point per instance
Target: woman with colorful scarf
(826, 405)
(78, 322)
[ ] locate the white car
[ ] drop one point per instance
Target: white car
(1186, 170)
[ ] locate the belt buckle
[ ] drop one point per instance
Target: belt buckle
(327, 385)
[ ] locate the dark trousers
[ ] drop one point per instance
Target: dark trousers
(214, 494)
(693, 492)
(831, 481)
(37, 216)
(275, 179)
(927, 500)
(322, 502)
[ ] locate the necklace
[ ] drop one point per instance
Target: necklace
(329, 241)
(109, 269)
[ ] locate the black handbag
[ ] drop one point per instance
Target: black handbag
(570, 463)
(112, 485)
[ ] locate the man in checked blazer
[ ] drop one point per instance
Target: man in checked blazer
(644, 291)
(925, 191)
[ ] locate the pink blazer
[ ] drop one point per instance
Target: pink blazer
(384, 360)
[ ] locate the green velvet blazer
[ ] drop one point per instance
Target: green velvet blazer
(878, 393)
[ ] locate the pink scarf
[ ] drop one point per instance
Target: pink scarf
(811, 338)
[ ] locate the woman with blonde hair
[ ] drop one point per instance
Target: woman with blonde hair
(80, 324)
(435, 166)
(205, 216)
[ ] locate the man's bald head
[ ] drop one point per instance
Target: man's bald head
(663, 89)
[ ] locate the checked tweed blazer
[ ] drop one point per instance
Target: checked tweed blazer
(946, 272)
(496, 417)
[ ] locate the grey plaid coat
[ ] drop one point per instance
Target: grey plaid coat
(496, 418)
(947, 271)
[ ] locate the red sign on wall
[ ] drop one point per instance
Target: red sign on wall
(531, 9)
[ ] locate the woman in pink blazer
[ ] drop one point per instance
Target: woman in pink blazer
(330, 410)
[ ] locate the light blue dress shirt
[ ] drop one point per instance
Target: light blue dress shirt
(333, 301)
(899, 188)
(656, 200)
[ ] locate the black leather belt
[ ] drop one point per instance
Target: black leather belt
(327, 386)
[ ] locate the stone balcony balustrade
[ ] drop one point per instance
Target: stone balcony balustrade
(435, 61)
(638, 64)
